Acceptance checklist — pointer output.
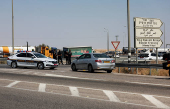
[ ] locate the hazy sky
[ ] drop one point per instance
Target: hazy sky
(67, 23)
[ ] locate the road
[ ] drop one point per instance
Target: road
(25, 88)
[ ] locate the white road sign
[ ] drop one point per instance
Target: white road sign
(148, 22)
(144, 32)
(148, 43)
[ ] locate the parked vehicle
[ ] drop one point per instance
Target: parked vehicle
(125, 50)
(31, 59)
(161, 53)
(161, 50)
(93, 61)
(111, 54)
(148, 56)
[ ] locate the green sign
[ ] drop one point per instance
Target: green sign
(76, 52)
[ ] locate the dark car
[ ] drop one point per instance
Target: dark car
(125, 50)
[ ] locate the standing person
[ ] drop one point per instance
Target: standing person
(69, 57)
(54, 55)
(59, 57)
(66, 55)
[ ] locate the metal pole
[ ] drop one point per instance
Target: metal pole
(156, 58)
(12, 29)
(123, 41)
(128, 23)
(108, 41)
(164, 36)
(136, 59)
(115, 55)
(27, 46)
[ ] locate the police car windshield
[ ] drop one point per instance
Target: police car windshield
(38, 55)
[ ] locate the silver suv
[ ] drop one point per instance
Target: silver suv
(93, 61)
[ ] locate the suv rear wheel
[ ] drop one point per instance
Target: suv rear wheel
(90, 69)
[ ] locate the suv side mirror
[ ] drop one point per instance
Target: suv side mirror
(32, 56)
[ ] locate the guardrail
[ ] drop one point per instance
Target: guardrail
(139, 65)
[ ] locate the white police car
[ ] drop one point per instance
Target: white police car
(31, 59)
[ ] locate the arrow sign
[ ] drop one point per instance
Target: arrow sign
(148, 32)
(115, 44)
(148, 43)
(148, 22)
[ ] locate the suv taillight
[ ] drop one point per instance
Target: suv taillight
(113, 61)
(8, 59)
(98, 61)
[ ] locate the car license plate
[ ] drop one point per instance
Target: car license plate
(106, 61)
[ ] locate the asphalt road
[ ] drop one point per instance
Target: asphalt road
(25, 88)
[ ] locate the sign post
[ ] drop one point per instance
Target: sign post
(115, 45)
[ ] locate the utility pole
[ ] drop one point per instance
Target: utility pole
(107, 39)
(128, 24)
(164, 36)
(12, 29)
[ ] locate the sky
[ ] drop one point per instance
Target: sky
(69, 23)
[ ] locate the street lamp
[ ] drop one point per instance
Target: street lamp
(106, 30)
(12, 29)
(164, 36)
(123, 38)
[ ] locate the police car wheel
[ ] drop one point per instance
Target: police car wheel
(40, 66)
(14, 65)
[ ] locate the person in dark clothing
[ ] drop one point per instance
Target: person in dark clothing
(59, 54)
(66, 55)
(69, 57)
(54, 55)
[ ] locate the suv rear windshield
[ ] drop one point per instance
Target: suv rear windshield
(100, 56)
(38, 55)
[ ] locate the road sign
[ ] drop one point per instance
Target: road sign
(148, 22)
(115, 44)
(148, 43)
(145, 32)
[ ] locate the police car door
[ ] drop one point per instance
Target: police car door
(30, 60)
(21, 59)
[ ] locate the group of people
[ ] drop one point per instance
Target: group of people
(67, 56)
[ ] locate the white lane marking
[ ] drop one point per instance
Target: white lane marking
(84, 97)
(148, 84)
(27, 72)
(88, 88)
(42, 87)
(111, 96)
(74, 91)
(155, 101)
(13, 83)
(63, 76)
